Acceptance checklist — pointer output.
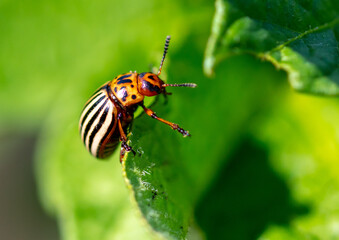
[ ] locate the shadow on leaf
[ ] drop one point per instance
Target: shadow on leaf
(247, 197)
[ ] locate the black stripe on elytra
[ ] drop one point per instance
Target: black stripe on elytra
(90, 123)
(109, 150)
(91, 108)
(97, 127)
(151, 87)
(94, 95)
(109, 130)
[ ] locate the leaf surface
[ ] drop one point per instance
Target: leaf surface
(300, 37)
(169, 173)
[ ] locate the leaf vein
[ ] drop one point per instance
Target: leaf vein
(301, 35)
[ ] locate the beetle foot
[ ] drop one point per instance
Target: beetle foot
(125, 148)
(181, 130)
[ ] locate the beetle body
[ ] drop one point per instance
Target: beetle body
(109, 112)
(99, 120)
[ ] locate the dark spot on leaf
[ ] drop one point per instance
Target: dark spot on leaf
(154, 194)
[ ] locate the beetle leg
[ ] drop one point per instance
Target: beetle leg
(123, 137)
(165, 95)
(124, 146)
(174, 126)
(122, 154)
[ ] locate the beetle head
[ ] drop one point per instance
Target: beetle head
(149, 84)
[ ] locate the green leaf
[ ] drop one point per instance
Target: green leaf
(169, 173)
(88, 197)
(281, 181)
(304, 153)
(253, 197)
(300, 37)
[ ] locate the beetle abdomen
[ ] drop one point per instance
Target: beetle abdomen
(97, 124)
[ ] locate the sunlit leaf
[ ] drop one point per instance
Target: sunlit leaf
(300, 37)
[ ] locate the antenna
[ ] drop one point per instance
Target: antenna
(191, 85)
(168, 38)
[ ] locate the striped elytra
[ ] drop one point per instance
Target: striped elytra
(97, 124)
(108, 113)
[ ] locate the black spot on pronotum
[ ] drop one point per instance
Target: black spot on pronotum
(150, 87)
(141, 75)
(125, 96)
(134, 96)
(123, 79)
(151, 77)
(124, 76)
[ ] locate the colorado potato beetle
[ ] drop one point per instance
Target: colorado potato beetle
(108, 113)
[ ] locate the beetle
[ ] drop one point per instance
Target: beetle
(108, 113)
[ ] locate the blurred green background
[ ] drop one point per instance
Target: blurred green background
(264, 159)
